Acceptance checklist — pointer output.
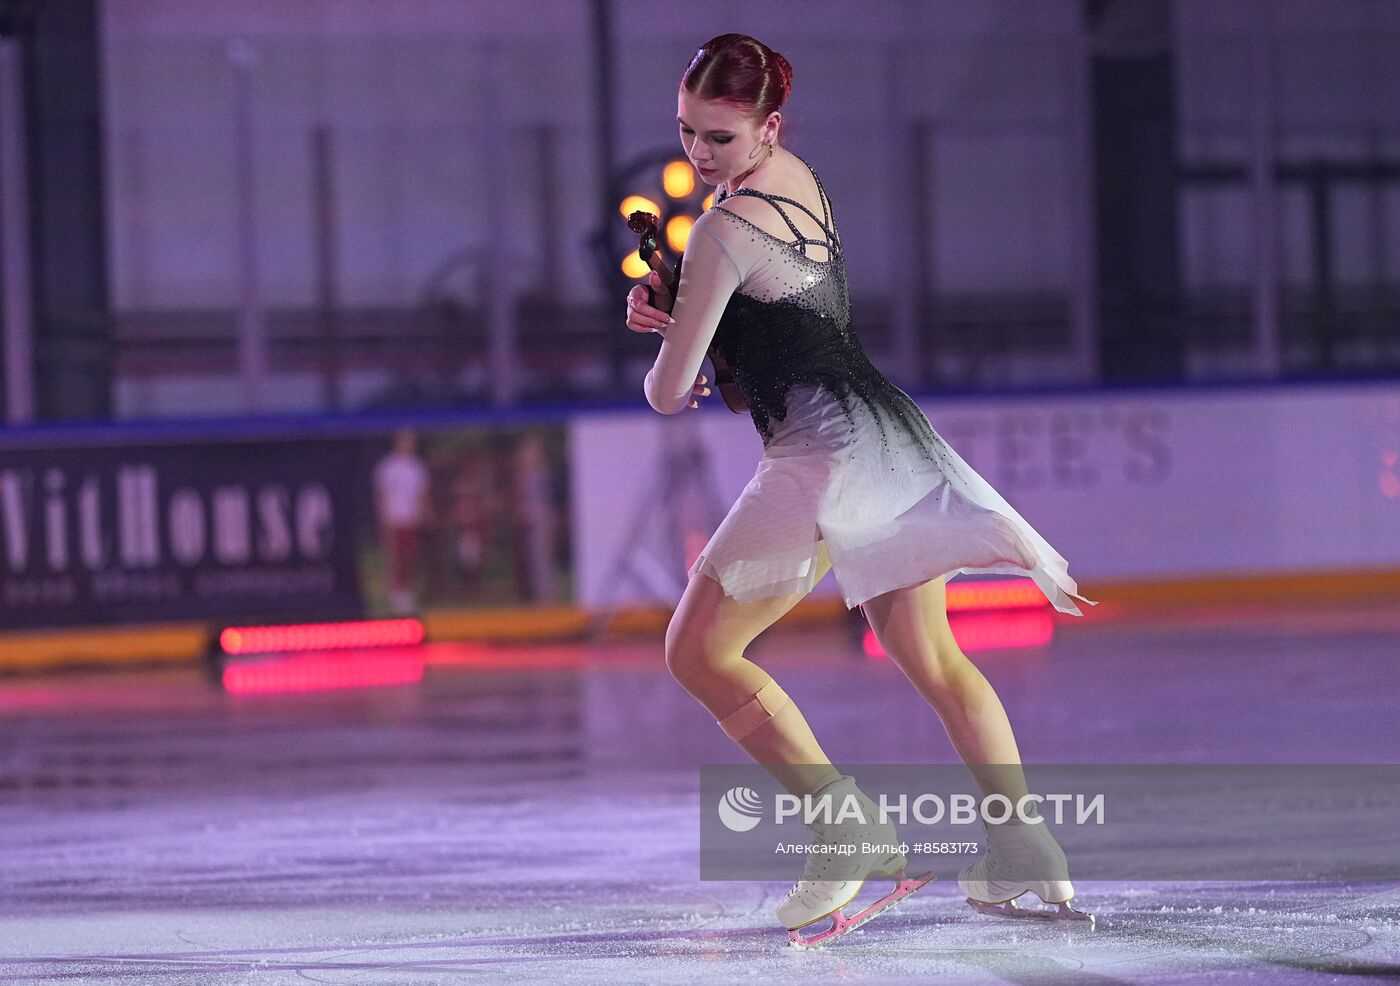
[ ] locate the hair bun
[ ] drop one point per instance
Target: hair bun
(740, 69)
(784, 69)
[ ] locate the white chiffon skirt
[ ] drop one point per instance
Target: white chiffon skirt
(890, 516)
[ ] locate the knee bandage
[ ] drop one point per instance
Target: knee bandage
(769, 701)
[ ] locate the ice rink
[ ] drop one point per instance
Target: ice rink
(531, 815)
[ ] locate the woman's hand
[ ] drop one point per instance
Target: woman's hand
(645, 317)
(699, 390)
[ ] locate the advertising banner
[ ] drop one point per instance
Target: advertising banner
(302, 527)
(134, 533)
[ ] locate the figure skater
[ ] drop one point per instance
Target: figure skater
(853, 478)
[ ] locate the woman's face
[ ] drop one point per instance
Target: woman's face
(719, 138)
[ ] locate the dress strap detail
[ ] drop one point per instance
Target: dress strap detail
(832, 243)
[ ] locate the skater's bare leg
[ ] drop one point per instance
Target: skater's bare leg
(705, 645)
(912, 626)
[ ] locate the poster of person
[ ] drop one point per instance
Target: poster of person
(466, 517)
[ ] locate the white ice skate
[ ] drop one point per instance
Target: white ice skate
(1021, 859)
(830, 880)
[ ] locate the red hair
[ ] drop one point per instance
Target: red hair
(739, 69)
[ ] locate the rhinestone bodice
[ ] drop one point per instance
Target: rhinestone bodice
(789, 324)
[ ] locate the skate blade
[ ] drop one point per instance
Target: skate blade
(842, 925)
(1010, 909)
(892, 868)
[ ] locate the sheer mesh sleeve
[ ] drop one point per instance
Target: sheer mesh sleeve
(709, 277)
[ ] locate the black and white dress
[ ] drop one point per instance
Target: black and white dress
(848, 457)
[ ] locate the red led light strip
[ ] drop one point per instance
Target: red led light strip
(983, 631)
(1012, 594)
(320, 636)
(979, 621)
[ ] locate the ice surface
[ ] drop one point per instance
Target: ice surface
(519, 818)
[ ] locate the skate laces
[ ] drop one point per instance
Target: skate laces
(1022, 852)
(819, 866)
